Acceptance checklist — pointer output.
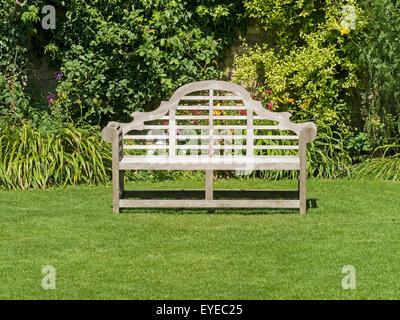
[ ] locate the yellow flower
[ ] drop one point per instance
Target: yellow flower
(344, 31)
(62, 95)
(279, 99)
(218, 112)
(79, 101)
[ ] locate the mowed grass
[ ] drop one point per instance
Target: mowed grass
(202, 254)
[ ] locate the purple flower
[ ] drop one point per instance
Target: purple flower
(58, 75)
(51, 98)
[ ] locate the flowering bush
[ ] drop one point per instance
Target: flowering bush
(312, 72)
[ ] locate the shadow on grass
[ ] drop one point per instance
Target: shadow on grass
(199, 211)
(312, 203)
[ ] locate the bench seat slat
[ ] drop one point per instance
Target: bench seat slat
(125, 203)
(205, 162)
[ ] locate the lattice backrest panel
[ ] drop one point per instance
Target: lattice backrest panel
(211, 120)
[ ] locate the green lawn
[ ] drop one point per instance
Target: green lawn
(200, 254)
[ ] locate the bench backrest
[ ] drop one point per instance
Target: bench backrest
(209, 118)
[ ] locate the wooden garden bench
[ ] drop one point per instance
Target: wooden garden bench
(208, 125)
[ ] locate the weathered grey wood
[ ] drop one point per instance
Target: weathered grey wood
(116, 157)
(262, 127)
(209, 161)
(218, 193)
(270, 137)
(192, 107)
(211, 123)
(124, 203)
(172, 133)
(146, 137)
(230, 117)
(145, 146)
(305, 135)
(229, 107)
(195, 98)
(190, 117)
(209, 185)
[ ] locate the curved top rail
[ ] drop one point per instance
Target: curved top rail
(211, 85)
(282, 117)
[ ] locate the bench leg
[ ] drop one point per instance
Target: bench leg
(302, 191)
(116, 189)
(209, 185)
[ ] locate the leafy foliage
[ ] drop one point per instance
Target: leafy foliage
(316, 68)
(380, 54)
(16, 27)
(126, 55)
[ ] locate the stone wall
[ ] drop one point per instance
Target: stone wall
(254, 35)
(41, 77)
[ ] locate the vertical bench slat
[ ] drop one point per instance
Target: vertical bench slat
(210, 173)
(172, 133)
(250, 133)
(210, 123)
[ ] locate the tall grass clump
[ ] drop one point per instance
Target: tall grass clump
(327, 156)
(33, 158)
(386, 167)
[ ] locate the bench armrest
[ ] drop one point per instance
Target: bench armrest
(308, 132)
(111, 131)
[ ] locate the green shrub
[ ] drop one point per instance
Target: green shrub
(286, 20)
(17, 24)
(315, 67)
(380, 55)
(118, 56)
